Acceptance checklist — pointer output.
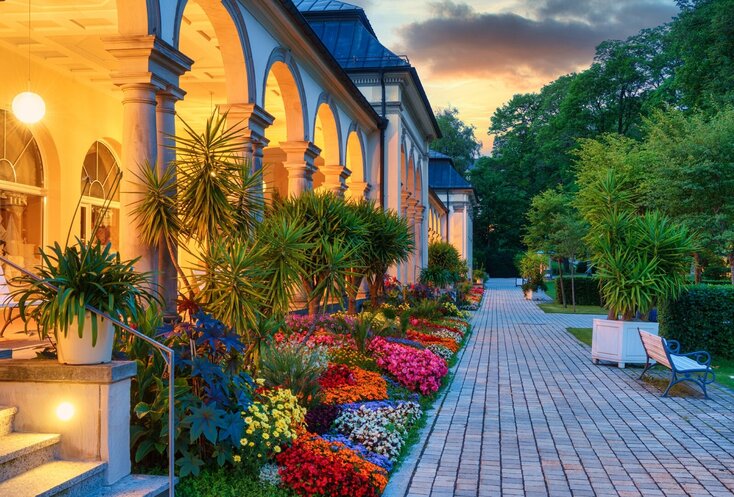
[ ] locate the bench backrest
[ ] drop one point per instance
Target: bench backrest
(655, 347)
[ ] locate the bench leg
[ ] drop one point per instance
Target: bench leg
(648, 365)
(673, 381)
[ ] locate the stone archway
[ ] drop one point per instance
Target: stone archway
(330, 172)
(355, 162)
(289, 157)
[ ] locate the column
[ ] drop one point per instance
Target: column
(254, 120)
(358, 190)
(166, 124)
(139, 149)
(420, 240)
(404, 196)
(146, 65)
(412, 207)
(335, 179)
(299, 163)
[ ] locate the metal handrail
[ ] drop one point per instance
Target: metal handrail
(166, 353)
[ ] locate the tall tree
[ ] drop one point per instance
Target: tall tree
(458, 140)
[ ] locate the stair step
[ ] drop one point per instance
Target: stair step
(58, 479)
(20, 452)
(7, 415)
(136, 486)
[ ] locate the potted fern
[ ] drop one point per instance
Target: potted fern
(72, 278)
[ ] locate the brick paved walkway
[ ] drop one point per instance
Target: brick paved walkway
(528, 414)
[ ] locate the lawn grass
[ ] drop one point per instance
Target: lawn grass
(724, 368)
(580, 309)
(581, 334)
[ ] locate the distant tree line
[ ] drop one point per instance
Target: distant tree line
(660, 103)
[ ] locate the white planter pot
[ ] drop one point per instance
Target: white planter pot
(619, 341)
(74, 350)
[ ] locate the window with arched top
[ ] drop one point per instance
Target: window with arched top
(21, 192)
(100, 188)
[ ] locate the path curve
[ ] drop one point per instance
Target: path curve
(528, 413)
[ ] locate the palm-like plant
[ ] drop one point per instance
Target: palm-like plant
(336, 236)
(389, 241)
(640, 258)
(208, 192)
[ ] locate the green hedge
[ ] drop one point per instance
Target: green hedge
(587, 290)
(702, 318)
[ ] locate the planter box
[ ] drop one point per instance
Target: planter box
(619, 341)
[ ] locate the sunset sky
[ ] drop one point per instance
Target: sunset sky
(476, 54)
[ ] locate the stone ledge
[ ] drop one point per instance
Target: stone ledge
(50, 371)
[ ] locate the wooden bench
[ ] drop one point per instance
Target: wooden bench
(693, 366)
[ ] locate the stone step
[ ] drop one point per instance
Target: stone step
(20, 452)
(7, 415)
(57, 479)
(136, 486)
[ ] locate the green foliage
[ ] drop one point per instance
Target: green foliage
(227, 483)
(531, 266)
(702, 39)
(587, 290)
(701, 318)
(336, 235)
(211, 392)
(689, 174)
(82, 274)
(457, 140)
(296, 368)
(388, 240)
(445, 266)
(685, 64)
(639, 258)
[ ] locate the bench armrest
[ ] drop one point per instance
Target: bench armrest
(700, 356)
(673, 346)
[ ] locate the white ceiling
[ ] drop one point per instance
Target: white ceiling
(66, 35)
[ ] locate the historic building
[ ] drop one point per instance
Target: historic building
(453, 205)
(114, 75)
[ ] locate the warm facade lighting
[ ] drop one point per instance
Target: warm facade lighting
(65, 411)
(29, 107)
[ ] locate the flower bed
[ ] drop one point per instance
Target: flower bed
(419, 370)
(314, 466)
(342, 384)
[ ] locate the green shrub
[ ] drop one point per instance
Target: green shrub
(297, 368)
(587, 290)
(445, 265)
(227, 483)
(701, 318)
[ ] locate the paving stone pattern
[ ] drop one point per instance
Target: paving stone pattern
(528, 413)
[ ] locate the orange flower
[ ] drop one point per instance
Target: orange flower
(366, 385)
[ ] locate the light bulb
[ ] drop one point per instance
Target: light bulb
(29, 107)
(65, 411)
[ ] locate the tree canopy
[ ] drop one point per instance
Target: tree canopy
(649, 101)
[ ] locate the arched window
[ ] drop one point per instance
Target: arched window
(100, 183)
(21, 192)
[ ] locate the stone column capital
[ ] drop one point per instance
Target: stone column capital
(147, 59)
(299, 163)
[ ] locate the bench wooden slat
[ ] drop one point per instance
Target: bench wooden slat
(654, 347)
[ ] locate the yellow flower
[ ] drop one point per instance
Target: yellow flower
(260, 381)
(237, 458)
(243, 441)
(276, 449)
(251, 444)
(266, 436)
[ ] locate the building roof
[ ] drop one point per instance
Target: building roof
(442, 175)
(339, 69)
(348, 34)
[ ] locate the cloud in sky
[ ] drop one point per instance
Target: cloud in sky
(550, 38)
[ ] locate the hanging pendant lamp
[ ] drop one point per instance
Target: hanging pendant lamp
(28, 106)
